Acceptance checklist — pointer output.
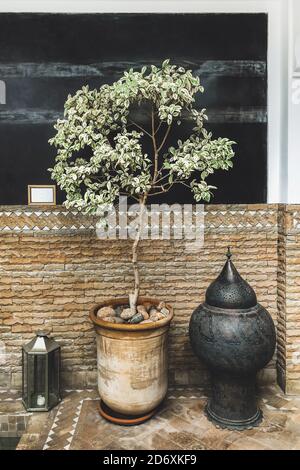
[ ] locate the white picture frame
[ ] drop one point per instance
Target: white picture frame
(41, 194)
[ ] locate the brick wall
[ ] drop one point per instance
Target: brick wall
(289, 303)
(281, 297)
(53, 269)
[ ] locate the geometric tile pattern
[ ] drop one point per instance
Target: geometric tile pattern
(179, 425)
(26, 219)
(57, 219)
(51, 433)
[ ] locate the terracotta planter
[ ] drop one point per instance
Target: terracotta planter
(132, 362)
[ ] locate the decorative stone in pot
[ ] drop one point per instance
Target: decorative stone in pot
(235, 337)
(132, 364)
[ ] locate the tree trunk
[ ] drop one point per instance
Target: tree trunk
(133, 297)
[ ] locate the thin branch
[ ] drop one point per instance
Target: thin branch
(159, 192)
(163, 178)
(141, 128)
(165, 138)
(129, 195)
(158, 127)
(154, 147)
(184, 184)
(166, 188)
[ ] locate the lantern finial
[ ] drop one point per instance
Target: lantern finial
(41, 333)
(230, 290)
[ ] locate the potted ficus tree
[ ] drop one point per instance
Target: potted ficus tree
(118, 141)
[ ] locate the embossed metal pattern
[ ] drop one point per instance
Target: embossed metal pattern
(235, 337)
(230, 290)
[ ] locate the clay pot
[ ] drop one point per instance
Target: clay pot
(132, 361)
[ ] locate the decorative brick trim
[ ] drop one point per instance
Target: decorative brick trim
(55, 220)
(25, 219)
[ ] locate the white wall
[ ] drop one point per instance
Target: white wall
(293, 185)
(282, 171)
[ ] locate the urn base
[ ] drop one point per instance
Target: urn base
(235, 425)
(123, 420)
(233, 403)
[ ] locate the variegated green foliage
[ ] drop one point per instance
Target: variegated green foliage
(100, 121)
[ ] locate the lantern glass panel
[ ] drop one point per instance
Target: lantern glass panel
(24, 376)
(53, 377)
(37, 380)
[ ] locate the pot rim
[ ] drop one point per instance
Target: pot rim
(127, 326)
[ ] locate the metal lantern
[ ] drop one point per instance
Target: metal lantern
(235, 337)
(41, 373)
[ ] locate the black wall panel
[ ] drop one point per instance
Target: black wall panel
(43, 57)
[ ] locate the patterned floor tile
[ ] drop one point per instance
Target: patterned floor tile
(180, 424)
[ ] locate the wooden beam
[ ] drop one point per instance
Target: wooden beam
(230, 68)
(42, 116)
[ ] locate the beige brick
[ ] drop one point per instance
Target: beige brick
(52, 280)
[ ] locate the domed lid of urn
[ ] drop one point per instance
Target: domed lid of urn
(230, 290)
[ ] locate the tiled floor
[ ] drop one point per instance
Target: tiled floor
(13, 417)
(181, 424)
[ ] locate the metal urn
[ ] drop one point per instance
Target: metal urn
(235, 337)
